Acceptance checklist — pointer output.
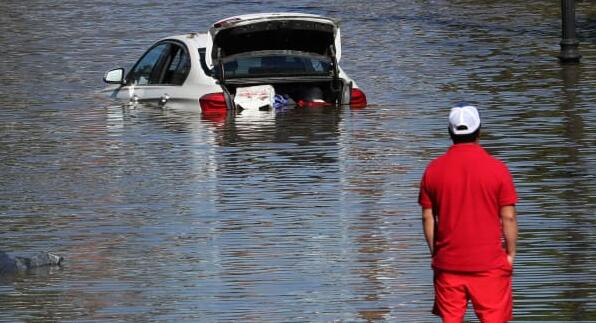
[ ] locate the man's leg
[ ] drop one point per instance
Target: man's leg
(451, 298)
(491, 295)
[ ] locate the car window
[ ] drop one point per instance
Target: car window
(282, 64)
(147, 71)
(177, 66)
(166, 63)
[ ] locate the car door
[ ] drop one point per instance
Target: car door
(162, 69)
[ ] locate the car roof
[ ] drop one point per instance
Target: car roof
(197, 40)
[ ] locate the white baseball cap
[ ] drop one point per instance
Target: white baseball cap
(464, 119)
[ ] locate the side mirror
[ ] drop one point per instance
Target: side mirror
(115, 76)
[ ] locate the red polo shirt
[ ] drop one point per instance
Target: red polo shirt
(466, 187)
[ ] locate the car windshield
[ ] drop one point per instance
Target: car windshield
(276, 64)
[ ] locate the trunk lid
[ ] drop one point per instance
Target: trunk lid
(273, 31)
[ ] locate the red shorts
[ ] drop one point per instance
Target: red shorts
(489, 291)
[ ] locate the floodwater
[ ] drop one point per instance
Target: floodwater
(305, 216)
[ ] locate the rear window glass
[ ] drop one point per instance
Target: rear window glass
(276, 65)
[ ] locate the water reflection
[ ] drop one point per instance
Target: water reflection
(571, 285)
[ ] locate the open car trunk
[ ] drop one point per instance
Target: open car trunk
(297, 54)
(298, 91)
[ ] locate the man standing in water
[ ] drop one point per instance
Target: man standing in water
(468, 204)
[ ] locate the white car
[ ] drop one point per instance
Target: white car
(286, 58)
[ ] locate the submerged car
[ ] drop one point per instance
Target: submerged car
(281, 58)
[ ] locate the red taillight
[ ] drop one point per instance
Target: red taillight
(358, 98)
(213, 102)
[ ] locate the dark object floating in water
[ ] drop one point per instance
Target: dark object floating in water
(13, 265)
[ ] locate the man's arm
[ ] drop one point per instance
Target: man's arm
(508, 217)
(428, 225)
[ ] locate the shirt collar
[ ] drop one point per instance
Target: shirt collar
(466, 146)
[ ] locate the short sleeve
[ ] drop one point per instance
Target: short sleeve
(423, 196)
(507, 194)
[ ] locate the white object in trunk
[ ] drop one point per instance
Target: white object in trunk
(254, 97)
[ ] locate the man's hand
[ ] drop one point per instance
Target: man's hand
(510, 259)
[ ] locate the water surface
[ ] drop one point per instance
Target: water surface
(303, 216)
